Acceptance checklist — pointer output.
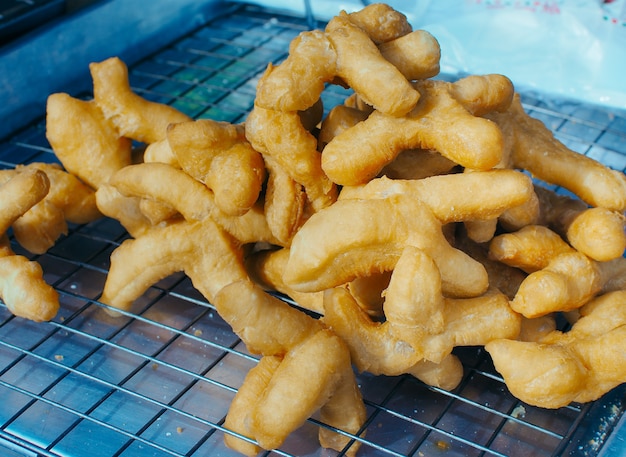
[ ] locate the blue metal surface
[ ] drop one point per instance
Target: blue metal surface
(56, 58)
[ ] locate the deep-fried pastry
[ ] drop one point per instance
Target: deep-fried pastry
(361, 65)
(134, 116)
(590, 180)
(284, 203)
(91, 149)
(281, 136)
(68, 200)
(576, 366)
(297, 83)
(23, 289)
(314, 372)
(359, 237)
(19, 192)
(439, 122)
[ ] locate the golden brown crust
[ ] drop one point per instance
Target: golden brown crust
(19, 192)
(439, 122)
(577, 366)
(361, 65)
(23, 288)
(297, 83)
(381, 22)
(590, 180)
(87, 144)
(134, 116)
(408, 182)
(415, 54)
(281, 136)
(67, 200)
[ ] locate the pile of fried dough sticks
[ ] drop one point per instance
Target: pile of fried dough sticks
(406, 218)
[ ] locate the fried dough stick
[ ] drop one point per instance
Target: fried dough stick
(134, 116)
(22, 287)
(376, 349)
(68, 193)
(136, 264)
(195, 143)
(284, 203)
(126, 210)
(314, 371)
(65, 198)
(19, 192)
(360, 153)
(267, 267)
(298, 82)
(577, 366)
(532, 248)
(68, 200)
(454, 197)
(355, 238)
(415, 54)
(215, 267)
(189, 197)
(251, 312)
(213, 261)
(473, 322)
(360, 236)
(238, 418)
(381, 22)
(560, 279)
(183, 245)
(85, 142)
(192, 199)
(281, 136)
(412, 300)
(218, 155)
(195, 244)
(361, 65)
(537, 150)
(236, 178)
(316, 58)
(596, 232)
(325, 359)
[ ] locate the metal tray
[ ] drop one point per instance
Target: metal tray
(159, 381)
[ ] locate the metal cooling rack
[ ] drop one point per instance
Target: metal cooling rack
(159, 381)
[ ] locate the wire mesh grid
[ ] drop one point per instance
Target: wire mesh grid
(158, 381)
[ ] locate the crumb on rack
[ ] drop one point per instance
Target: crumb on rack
(518, 411)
